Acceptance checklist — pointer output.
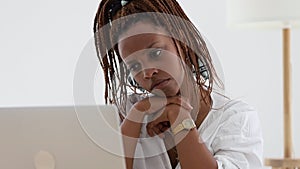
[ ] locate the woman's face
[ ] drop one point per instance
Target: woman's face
(152, 58)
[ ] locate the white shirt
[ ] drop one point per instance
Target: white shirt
(231, 132)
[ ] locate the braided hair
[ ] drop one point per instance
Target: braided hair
(116, 16)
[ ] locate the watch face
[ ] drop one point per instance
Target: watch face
(188, 124)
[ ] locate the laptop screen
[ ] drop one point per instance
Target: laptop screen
(65, 137)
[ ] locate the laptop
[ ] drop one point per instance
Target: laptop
(66, 137)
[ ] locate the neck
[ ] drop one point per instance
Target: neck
(204, 109)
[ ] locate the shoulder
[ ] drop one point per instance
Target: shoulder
(238, 110)
(238, 117)
(231, 117)
(236, 138)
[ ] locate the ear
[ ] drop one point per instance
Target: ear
(204, 74)
(203, 70)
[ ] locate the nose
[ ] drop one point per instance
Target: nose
(148, 73)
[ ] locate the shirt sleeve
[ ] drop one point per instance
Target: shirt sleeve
(238, 143)
(151, 153)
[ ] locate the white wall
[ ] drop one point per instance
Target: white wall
(42, 41)
(252, 63)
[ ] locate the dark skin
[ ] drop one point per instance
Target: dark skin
(172, 152)
(150, 56)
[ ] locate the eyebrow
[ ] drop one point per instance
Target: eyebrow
(148, 47)
(152, 44)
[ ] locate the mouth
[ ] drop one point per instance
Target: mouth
(159, 84)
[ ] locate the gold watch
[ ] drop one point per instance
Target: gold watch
(186, 124)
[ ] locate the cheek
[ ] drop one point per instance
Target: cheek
(139, 79)
(174, 68)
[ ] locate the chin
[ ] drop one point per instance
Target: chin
(166, 92)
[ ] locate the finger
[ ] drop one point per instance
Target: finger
(155, 104)
(162, 135)
(156, 127)
(159, 118)
(156, 131)
(160, 128)
(151, 104)
(164, 128)
(166, 124)
(150, 131)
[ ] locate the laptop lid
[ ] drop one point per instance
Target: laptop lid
(82, 137)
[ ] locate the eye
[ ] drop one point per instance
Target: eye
(155, 53)
(134, 67)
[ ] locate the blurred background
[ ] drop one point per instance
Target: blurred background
(41, 43)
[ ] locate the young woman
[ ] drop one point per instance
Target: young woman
(159, 73)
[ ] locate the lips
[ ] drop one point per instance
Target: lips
(159, 83)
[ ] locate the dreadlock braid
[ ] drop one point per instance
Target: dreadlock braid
(190, 45)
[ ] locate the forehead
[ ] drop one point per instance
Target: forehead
(142, 27)
(139, 36)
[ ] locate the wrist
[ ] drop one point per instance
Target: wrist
(176, 117)
(185, 125)
(135, 115)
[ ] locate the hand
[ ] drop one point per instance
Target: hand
(150, 106)
(172, 112)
